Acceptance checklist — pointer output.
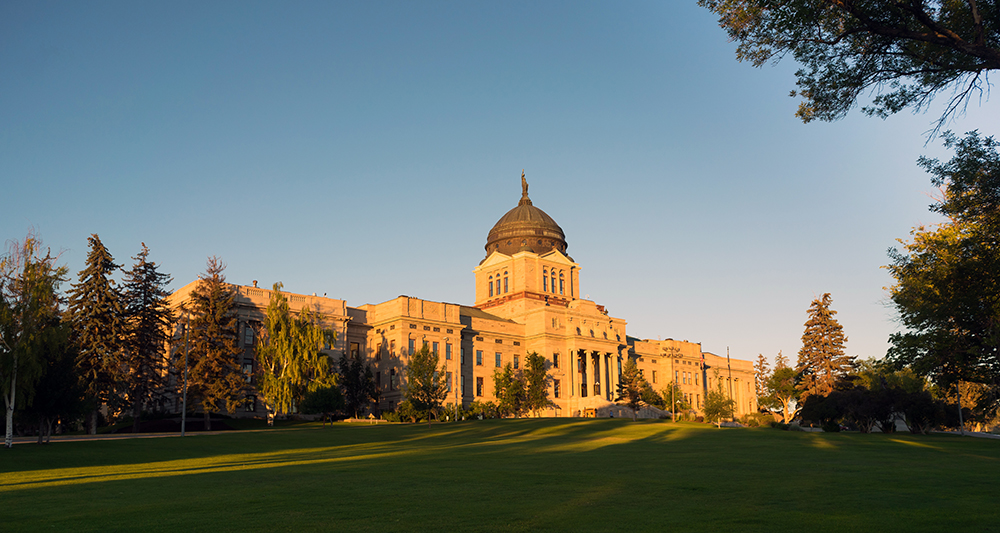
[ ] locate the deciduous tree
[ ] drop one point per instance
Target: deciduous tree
(905, 51)
(96, 316)
(29, 317)
(425, 386)
(947, 278)
(148, 320)
(510, 392)
(821, 359)
(357, 383)
(215, 378)
(536, 381)
(290, 362)
(718, 404)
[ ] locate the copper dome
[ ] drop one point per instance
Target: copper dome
(525, 228)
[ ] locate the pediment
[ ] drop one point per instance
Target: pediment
(494, 258)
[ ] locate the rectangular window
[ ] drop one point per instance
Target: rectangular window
(463, 386)
(479, 386)
(491, 288)
(498, 287)
(355, 349)
(479, 358)
(392, 348)
(677, 376)
(654, 376)
(555, 388)
(463, 356)
(498, 359)
(545, 283)
(696, 379)
(560, 286)
(392, 379)
(447, 380)
(247, 334)
(555, 360)
(447, 351)
(378, 352)
(516, 361)
(435, 348)
(413, 346)
(505, 285)
(698, 405)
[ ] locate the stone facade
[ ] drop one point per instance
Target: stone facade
(527, 299)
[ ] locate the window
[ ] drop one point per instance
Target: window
(577, 331)
(654, 376)
(696, 379)
(413, 346)
(555, 388)
(545, 282)
(248, 371)
(435, 347)
(462, 382)
(677, 376)
(392, 348)
(555, 322)
(553, 281)
(479, 386)
(463, 355)
(479, 358)
(378, 352)
(698, 404)
(247, 334)
(392, 379)
(447, 380)
(251, 404)
(498, 286)
(498, 359)
(423, 343)
(516, 361)
(560, 283)
(355, 349)
(505, 283)
(555, 360)
(491, 286)
(447, 351)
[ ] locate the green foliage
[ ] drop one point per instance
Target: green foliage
(718, 405)
(96, 314)
(904, 52)
(290, 361)
(630, 387)
(148, 321)
(357, 383)
(425, 386)
(664, 398)
(29, 321)
(482, 410)
(510, 392)
(783, 392)
(821, 359)
(536, 381)
(58, 394)
(215, 376)
(947, 278)
(324, 401)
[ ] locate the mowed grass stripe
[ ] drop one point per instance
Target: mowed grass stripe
(507, 475)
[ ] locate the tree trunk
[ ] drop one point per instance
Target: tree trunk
(92, 422)
(208, 421)
(136, 416)
(8, 440)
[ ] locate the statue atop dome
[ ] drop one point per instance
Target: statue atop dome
(524, 185)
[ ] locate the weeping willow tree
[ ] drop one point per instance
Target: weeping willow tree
(290, 361)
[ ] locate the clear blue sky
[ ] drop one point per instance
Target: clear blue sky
(364, 150)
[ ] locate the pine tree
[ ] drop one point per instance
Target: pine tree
(148, 319)
(760, 374)
(215, 377)
(96, 318)
(821, 360)
(630, 387)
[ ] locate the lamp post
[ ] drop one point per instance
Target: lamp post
(184, 400)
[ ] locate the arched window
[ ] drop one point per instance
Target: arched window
(553, 281)
(591, 333)
(505, 287)
(545, 281)
(561, 283)
(498, 285)
(491, 286)
(577, 331)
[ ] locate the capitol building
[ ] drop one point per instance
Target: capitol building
(527, 299)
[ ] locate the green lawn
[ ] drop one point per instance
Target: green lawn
(506, 475)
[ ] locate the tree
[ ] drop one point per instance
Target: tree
(536, 381)
(718, 404)
(58, 393)
(324, 401)
(672, 390)
(510, 391)
(947, 278)
(783, 392)
(97, 318)
(29, 313)
(425, 387)
(290, 362)
(357, 383)
(213, 358)
(148, 320)
(821, 359)
(630, 387)
(904, 51)
(761, 373)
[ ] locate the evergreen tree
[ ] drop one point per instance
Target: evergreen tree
(821, 360)
(761, 372)
(96, 317)
(630, 387)
(290, 362)
(29, 311)
(148, 320)
(215, 377)
(425, 387)
(536, 381)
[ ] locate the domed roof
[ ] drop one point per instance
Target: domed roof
(525, 228)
